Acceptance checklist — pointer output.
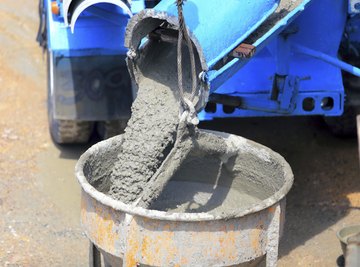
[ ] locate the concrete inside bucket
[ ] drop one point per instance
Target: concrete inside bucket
(248, 178)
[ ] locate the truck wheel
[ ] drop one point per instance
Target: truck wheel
(344, 125)
(107, 129)
(70, 131)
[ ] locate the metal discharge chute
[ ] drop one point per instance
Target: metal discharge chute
(215, 29)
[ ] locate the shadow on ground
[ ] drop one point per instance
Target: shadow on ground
(74, 151)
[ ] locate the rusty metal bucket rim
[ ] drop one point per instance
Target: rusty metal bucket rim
(188, 217)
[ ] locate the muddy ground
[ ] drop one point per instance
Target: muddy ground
(39, 197)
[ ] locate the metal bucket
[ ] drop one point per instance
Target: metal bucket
(345, 233)
(133, 236)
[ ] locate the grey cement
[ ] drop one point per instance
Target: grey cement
(217, 175)
(214, 178)
(148, 139)
(190, 197)
(189, 140)
(152, 129)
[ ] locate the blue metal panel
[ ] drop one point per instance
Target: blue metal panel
(94, 35)
(218, 77)
(254, 84)
(219, 27)
(317, 97)
(318, 26)
(307, 83)
(321, 26)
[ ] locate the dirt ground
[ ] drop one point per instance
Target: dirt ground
(39, 197)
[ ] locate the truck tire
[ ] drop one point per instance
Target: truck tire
(344, 125)
(70, 131)
(107, 129)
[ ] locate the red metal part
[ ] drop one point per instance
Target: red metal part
(244, 51)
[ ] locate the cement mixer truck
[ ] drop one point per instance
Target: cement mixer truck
(263, 58)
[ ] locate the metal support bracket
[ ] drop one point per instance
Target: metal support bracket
(284, 103)
(289, 88)
(328, 59)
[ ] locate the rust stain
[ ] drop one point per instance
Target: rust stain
(255, 237)
(231, 227)
(146, 249)
(133, 246)
(225, 242)
(168, 241)
(102, 228)
(272, 209)
(244, 51)
(155, 248)
(183, 261)
(167, 227)
(83, 213)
